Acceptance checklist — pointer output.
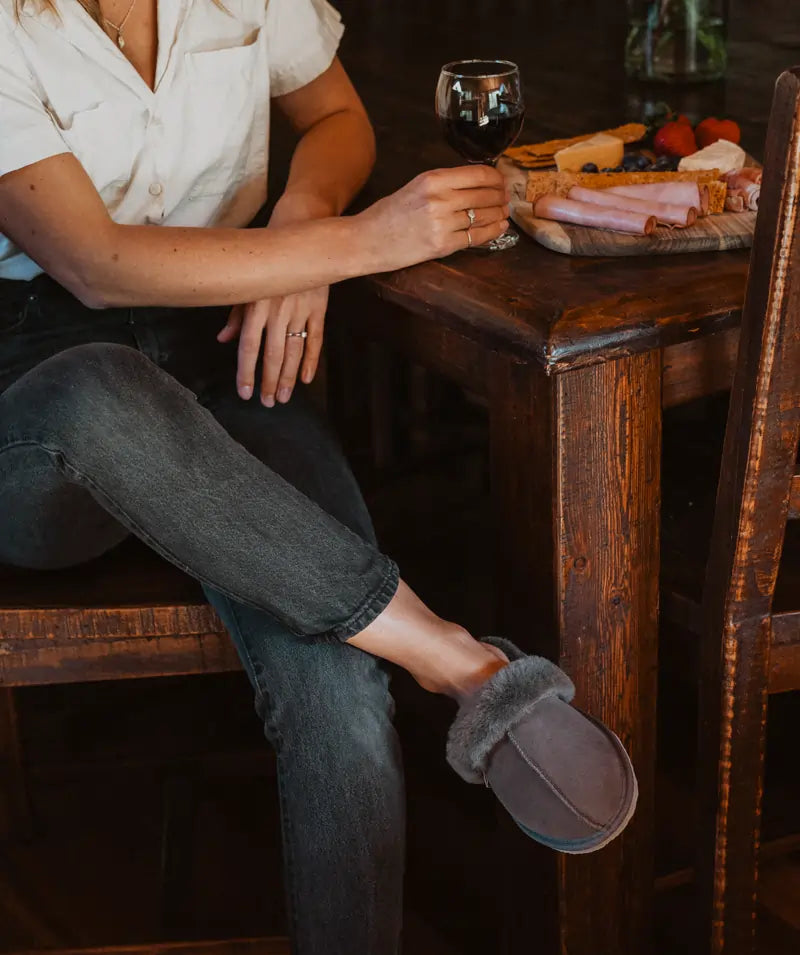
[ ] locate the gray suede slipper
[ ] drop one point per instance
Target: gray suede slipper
(564, 777)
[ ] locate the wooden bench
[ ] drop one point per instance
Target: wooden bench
(125, 615)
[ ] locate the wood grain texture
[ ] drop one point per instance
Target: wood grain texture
(578, 504)
(15, 818)
(794, 498)
(41, 662)
(786, 628)
(244, 946)
(759, 458)
(698, 367)
(784, 667)
(127, 614)
(709, 234)
(93, 623)
(568, 312)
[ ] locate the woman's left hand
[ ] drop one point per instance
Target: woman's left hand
(274, 318)
(281, 321)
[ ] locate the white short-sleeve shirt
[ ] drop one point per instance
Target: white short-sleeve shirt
(191, 153)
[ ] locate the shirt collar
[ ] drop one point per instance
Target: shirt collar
(78, 28)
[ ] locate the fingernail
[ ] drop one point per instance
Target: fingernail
(246, 391)
(306, 377)
(268, 401)
(284, 394)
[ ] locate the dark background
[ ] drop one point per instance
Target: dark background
(101, 757)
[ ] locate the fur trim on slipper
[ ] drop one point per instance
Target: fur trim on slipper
(499, 705)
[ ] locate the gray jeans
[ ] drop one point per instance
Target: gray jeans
(127, 421)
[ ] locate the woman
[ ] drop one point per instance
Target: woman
(133, 152)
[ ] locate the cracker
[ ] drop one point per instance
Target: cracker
(544, 153)
(717, 194)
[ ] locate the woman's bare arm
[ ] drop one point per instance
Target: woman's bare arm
(336, 151)
(53, 212)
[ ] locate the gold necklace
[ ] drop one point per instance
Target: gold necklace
(121, 27)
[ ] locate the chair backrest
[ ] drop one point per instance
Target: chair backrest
(757, 482)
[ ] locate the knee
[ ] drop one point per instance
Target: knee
(83, 392)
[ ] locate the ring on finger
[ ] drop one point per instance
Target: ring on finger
(471, 216)
(303, 334)
(469, 239)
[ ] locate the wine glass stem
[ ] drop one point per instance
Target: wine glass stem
(510, 237)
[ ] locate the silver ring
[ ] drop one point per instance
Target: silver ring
(471, 216)
(303, 334)
(469, 239)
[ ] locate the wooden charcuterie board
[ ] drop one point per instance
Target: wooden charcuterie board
(730, 230)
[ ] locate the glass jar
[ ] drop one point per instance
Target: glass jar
(676, 41)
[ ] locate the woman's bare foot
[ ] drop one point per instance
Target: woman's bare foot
(441, 656)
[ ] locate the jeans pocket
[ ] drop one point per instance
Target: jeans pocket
(14, 312)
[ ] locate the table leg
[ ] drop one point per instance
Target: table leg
(15, 820)
(576, 486)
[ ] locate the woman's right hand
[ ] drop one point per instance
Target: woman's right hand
(427, 218)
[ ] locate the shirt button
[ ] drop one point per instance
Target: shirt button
(156, 189)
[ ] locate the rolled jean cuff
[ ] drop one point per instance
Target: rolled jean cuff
(374, 604)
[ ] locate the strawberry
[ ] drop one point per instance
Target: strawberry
(675, 139)
(712, 129)
(682, 118)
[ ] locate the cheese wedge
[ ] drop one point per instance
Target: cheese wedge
(723, 155)
(541, 154)
(603, 150)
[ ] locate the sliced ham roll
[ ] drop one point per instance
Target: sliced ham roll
(598, 217)
(677, 193)
(749, 194)
(666, 212)
(752, 194)
(748, 173)
(747, 184)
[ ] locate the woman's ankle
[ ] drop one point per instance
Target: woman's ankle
(441, 656)
(456, 665)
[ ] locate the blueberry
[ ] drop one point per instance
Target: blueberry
(589, 167)
(618, 169)
(606, 169)
(662, 164)
(630, 162)
(642, 162)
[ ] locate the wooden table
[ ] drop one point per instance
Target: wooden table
(576, 358)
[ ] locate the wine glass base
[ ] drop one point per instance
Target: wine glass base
(505, 241)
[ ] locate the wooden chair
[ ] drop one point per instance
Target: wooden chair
(749, 629)
(124, 615)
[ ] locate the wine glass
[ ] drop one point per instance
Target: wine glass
(480, 108)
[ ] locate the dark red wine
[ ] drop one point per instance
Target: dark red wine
(481, 142)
